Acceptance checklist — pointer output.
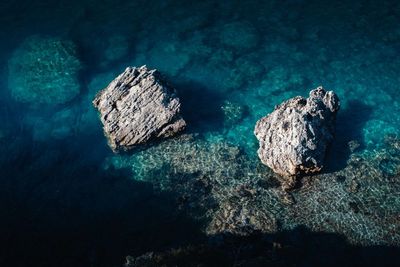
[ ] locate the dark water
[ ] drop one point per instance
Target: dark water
(67, 200)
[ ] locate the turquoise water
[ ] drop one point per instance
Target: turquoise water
(66, 198)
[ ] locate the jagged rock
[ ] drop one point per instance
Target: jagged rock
(136, 107)
(294, 137)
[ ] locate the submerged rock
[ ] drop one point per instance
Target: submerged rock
(294, 137)
(212, 181)
(44, 71)
(233, 112)
(239, 35)
(136, 107)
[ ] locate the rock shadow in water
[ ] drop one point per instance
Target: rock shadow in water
(59, 207)
(350, 122)
(201, 107)
(73, 213)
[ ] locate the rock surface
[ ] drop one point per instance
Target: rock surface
(294, 137)
(137, 107)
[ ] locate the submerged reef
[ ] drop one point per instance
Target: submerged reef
(210, 178)
(138, 106)
(44, 70)
(283, 249)
(233, 112)
(239, 35)
(220, 185)
(294, 137)
(360, 201)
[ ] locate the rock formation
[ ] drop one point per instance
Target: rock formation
(294, 137)
(136, 107)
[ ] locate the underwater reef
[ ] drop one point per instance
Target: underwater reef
(44, 70)
(217, 183)
(287, 248)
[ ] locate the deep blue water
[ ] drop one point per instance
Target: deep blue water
(67, 200)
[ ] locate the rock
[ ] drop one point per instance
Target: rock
(136, 107)
(44, 71)
(294, 137)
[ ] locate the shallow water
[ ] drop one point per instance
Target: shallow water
(66, 199)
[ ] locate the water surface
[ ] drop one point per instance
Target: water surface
(67, 200)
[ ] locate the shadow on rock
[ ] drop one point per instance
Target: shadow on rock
(349, 125)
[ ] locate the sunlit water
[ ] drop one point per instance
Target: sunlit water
(65, 197)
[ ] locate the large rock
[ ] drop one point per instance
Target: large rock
(294, 137)
(136, 107)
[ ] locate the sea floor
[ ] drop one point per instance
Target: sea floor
(67, 200)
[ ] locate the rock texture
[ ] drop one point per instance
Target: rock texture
(294, 137)
(137, 107)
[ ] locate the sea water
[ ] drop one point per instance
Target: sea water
(66, 199)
